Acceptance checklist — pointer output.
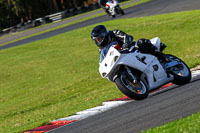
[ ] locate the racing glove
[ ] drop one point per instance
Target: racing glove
(125, 46)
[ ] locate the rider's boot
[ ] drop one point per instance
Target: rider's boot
(158, 53)
(162, 46)
(161, 56)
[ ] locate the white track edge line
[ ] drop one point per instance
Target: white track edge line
(105, 106)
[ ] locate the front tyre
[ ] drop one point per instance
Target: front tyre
(181, 72)
(137, 91)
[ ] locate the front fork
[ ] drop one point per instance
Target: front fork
(132, 77)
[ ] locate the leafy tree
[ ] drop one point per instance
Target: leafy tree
(13, 12)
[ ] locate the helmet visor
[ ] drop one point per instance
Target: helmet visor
(98, 39)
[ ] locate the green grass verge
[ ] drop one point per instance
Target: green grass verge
(67, 24)
(186, 125)
(58, 76)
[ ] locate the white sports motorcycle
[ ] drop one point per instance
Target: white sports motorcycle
(113, 8)
(136, 73)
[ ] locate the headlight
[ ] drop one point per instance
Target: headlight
(103, 74)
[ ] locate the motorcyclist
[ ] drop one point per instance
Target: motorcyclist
(104, 39)
(102, 4)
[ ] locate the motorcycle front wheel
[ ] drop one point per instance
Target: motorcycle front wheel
(137, 91)
(109, 14)
(181, 72)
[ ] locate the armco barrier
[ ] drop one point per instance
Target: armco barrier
(51, 18)
(55, 17)
(79, 10)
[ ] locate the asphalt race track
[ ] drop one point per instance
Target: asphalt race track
(147, 9)
(170, 104)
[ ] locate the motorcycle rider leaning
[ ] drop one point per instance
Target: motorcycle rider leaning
(104, 39)
(102, 4)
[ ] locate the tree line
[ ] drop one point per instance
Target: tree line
(13, 12)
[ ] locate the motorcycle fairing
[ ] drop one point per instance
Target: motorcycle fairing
(107, 65)
(145, 63)
(156, 74)
(150, 67)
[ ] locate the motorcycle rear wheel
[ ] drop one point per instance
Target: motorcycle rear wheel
(118, 10)
(137, 91)
(182, 73)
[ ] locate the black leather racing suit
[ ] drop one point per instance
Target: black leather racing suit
(124, 40)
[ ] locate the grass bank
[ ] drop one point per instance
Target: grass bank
(58, 76)
(186, 125)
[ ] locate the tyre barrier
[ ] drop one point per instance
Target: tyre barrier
(49, 18)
